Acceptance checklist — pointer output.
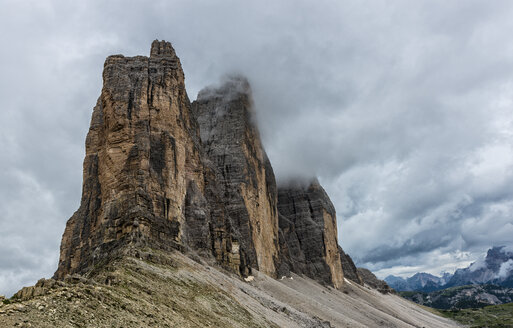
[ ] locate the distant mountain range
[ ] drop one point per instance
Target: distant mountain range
(496, 269)
(488, 281)
(462, 297)
(422, 281)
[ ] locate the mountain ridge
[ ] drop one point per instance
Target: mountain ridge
(495, 268)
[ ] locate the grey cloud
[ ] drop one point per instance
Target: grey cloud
(505, 269)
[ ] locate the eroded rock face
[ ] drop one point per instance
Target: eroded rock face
(163, 173)
(245, 178)
(308, 223)
(142, 160)
(150, 180)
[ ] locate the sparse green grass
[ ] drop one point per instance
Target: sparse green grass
(488, 316)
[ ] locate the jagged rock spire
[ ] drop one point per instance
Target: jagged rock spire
(162, 173)
(142, 161)
(162, 49)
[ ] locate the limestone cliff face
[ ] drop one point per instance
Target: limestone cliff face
(142, 157)
(247, 186)
(309, 232)
(160, 172)
(150, 181)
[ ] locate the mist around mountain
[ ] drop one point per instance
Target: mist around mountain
(487, 281)
(495, 268)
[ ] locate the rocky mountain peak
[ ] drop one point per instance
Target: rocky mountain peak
(247, 187)
(142, 162)
(162, 49)
(162, 173)
(496, 256)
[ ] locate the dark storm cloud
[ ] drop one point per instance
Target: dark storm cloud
(403, 109)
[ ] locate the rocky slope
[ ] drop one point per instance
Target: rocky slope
(152, 288)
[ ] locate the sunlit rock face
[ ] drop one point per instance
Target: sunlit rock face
(150, 181)
(142, 161)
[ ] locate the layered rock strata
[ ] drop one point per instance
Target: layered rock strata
(142, 157)
(150, 181)
(247, 186)
(307, 221)
(162, 173)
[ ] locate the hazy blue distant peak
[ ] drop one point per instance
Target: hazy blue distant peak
(495, 268)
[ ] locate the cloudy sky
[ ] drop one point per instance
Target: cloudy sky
(403, 109)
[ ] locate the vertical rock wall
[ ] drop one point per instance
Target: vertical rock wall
(142, 156)
(308, 223)
(150, 181)
(162, 173)
(245, 177)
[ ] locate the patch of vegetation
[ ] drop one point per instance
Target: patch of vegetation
(489, 316)
(6, 301)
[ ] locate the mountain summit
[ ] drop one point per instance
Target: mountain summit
(163, 173)
(496, 268)
(181, 222)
